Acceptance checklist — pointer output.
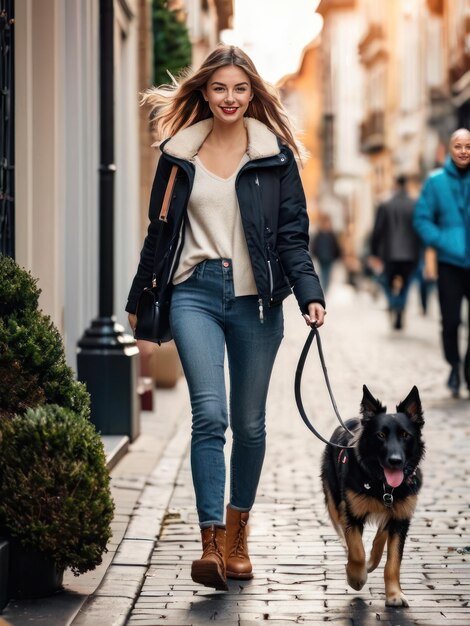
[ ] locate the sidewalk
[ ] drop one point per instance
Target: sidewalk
(298, 562)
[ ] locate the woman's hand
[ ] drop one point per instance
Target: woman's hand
(316, 313)
(132, 321)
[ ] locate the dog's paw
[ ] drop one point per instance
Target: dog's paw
(396, 599)
(356, 575)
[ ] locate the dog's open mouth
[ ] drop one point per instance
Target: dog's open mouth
(394, 477)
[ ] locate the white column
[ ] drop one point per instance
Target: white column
(81, 136)
(126, 208)
(39, 185)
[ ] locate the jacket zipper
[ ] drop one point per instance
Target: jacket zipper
(271, 280)
(175, 256)
(261, 310)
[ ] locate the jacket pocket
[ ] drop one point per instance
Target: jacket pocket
(276, 278)
(452, 243)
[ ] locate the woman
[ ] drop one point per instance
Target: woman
(235, 245)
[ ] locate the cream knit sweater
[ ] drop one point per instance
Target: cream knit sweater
(214, 229)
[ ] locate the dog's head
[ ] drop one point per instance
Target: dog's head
(390, 444)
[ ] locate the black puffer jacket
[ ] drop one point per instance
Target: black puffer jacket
(272, 207)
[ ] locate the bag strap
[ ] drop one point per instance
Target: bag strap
(168, 193)
(163, 217)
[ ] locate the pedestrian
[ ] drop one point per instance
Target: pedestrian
(442, 220)
(396, 248)
(237, 245)
(324, 247)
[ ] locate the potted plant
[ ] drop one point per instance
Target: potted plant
(55, 501)
(32, 358)
(54, 496)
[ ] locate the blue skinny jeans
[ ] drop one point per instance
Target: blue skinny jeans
(206, 318)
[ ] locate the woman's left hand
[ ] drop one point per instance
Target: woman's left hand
(316, 313)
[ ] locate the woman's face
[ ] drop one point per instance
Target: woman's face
(228, 93)
(459, 148)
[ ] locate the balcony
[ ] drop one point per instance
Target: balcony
(373, 46)
(459, 67)
(224, 10)
(440, 108)
(326, 6)
(372, 133)
(436, 6)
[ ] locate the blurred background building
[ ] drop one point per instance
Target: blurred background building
(375, 86)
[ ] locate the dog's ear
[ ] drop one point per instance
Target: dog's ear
(411, 406)
(370, 406)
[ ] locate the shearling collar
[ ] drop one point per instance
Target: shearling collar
(185, 144)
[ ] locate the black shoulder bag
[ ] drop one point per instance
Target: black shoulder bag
(153, 306)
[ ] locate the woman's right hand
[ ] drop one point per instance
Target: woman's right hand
(132, 321)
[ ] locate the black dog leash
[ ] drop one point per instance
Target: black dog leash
(298, 380)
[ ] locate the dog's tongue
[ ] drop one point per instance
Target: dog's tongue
(394, 477)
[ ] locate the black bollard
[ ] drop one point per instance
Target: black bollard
(107, 359)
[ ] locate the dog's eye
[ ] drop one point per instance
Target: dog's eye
(405, 435)
(381, 435)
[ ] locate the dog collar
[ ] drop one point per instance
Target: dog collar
(387, 497)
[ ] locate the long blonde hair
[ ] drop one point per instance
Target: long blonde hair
(182, 104)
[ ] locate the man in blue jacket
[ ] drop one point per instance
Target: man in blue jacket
(442, 220)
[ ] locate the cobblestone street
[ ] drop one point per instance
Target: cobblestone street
(298, 561)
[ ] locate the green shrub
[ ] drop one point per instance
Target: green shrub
(19, 293)
(54, 486)
(33, 368)
(172, 46)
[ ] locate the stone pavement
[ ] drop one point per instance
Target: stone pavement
(298, 561)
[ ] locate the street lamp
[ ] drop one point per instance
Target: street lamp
(106, 357)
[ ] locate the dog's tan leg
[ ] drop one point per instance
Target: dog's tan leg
(377, 549)
(393, 593)
(335, 518)
(356, 570)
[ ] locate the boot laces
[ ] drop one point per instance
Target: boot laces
(212, 547)
(239, 546)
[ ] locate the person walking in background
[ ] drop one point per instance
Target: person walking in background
(324, 247)
(395, 248)
(442, 220)
(236, 246)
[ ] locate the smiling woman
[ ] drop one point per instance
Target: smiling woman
(235, 245)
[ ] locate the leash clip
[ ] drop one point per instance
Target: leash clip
(388, 500)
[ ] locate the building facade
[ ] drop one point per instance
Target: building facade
(398, 71)
(53, 215)
(57, 154)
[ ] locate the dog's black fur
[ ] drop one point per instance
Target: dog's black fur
(388, 448)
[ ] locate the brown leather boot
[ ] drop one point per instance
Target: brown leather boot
(209, 570)
(238, 564)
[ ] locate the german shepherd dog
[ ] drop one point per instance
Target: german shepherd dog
(376, 480)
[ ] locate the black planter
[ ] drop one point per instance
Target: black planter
(31, 574)
(4, 560)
